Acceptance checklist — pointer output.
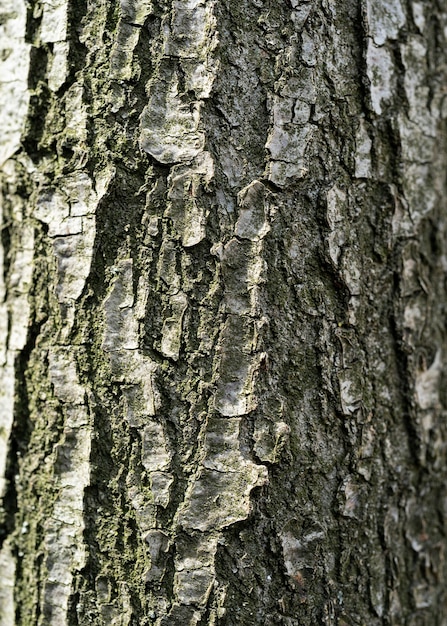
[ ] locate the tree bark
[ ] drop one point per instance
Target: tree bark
(223, 312)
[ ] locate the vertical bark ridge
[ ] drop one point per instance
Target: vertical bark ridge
(14, 95)
(59, 219)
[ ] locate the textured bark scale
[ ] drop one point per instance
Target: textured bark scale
(222, 312)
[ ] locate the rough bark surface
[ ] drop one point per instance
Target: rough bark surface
(223, 312)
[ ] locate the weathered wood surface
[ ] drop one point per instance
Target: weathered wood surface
(223, 312)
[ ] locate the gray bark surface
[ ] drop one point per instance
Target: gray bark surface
(223, 313)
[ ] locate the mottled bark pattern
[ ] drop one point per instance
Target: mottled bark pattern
(222, 312)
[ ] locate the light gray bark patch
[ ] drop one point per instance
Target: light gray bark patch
(385, 19)
(381, 74)
(287, 148)
(194, 567)
(7, 579)
(161, 483)
(155, 452)
(418, 10)
(121, 332)
(172, 326)
(194, 585)
(222, 445)
(219, 499)
(121, 65)
(167, 267)
(63, 533)
(352, 498)
(64, 377)
(220, 495)
(363, 151)
(158, 543)
(193, 38)
(133, 15)
(135, 11)
(252, 221)
(59, 65)
(54, 21)
(337, 218)
(290, 132)
(185, 208)
(377, 588)
(139, 401)
(170, 122)
(427, 384)
(17, 306)
(14, 67)
(69, 212)
(308, 50)
(235, 389)
(351, 380)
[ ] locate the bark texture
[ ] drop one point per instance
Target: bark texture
(223, 312)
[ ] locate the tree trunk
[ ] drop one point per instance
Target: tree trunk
(223, 312)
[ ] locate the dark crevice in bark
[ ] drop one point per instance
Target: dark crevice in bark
(401, 102)
(40, 103)
(77, 57)
(6, 234)
(38, 67)
(98, 503)
(72, 613)
(19, 443)
(105, 500)
(33, 22)
(118, 222)
(405, 388)
(113, 15)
